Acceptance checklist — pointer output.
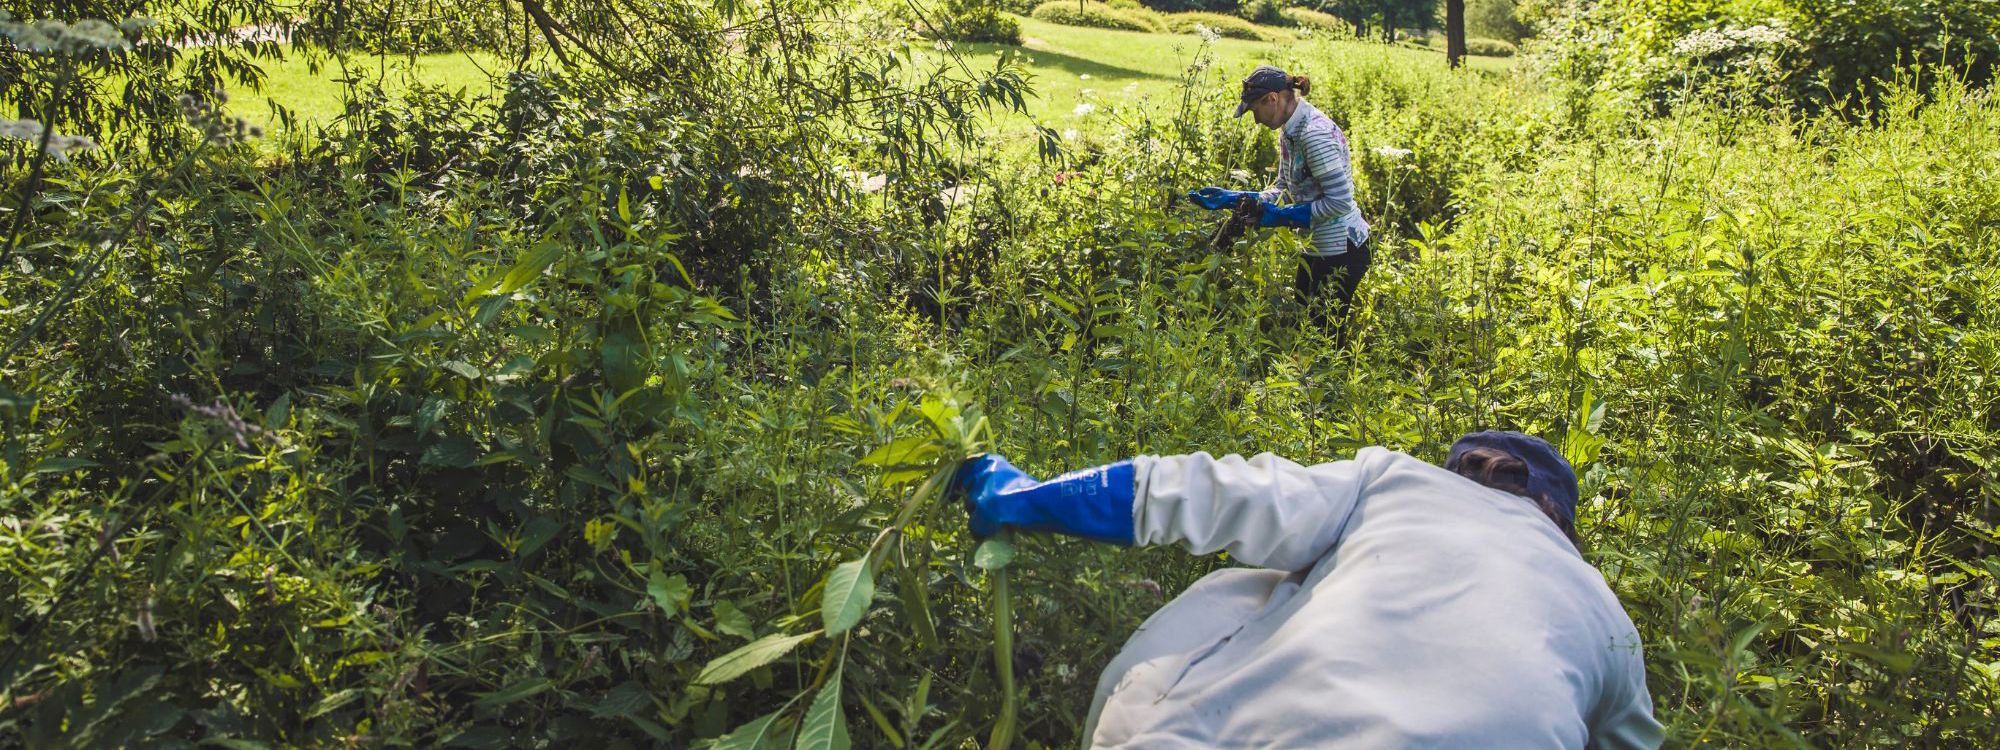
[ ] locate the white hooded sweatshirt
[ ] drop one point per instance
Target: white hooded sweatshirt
(1398, 605)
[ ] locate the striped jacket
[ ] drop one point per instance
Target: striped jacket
(1314, 166)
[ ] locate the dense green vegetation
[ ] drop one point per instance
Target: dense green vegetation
(611, 406)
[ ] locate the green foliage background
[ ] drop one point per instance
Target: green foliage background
(573, 414)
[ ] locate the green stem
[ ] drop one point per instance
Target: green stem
(1003, 656)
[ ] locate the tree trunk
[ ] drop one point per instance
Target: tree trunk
(1454, 32)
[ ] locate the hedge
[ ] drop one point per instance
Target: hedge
(1095, 15)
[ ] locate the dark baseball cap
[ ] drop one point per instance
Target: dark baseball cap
(1264, 80)
(1549, 474)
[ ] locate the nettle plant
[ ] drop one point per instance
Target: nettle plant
(948, 431)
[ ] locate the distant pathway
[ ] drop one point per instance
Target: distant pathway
(269, 32)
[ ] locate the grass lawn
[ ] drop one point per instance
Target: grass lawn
(1071, 66)
(315, 96)
(1074, 65)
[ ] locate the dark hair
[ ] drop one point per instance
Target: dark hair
(1505, 472)
(1302, 84)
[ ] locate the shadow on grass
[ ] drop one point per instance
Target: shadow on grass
(1058, 62)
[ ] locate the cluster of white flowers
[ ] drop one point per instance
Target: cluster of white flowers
(86, 35)
(1208, 35)
(30, 131)
(1070, 134)
(1708, 43)
(1392, 153)
(217, 126)
(863, 181)
(1083, 108)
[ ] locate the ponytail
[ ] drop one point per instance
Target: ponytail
(1302, 85)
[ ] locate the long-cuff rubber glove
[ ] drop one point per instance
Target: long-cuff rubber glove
(1215, 198)
(1092, 503)
(1297, 215)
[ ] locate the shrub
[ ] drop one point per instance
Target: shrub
(981, 22)
(1490, 47)
(1191, 6)
(1495, 19)
(1228, 26)
(1312, 19)
(1154, 19)
(1851, 46)
(1093, 14)
(1266, 12)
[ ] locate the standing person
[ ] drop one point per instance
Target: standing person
(1315, 173)
(1393, 604)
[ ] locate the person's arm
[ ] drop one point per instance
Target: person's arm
(1624, 721)
(1283, 184)
(1265, 511)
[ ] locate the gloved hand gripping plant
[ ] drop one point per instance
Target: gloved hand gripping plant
(1245, 209)
(951, 434)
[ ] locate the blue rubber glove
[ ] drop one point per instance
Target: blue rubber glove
(1215, 198)
(1093, 503)
(1297, 215)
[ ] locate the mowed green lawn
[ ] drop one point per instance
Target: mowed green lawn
(1076, 66)
(315, 96)
(1071, 66)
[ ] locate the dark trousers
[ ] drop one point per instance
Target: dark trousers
(1326, 285)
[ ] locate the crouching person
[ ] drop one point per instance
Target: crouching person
(1392, 603)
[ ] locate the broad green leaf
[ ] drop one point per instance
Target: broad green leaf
(757, 653)
(670, 592)
(528, 267)
(61, 465)
(429, 413)
(279, 415)
(731, 621)
(462, 369)
(537, 533)
(454, 452)
(909, 450)
(232, 743)
(849, 590)
(623, 359)
(993, 554)
(825, 727)
(523, 689)
(335, 701)
(753, 735)
(483, 736)
(627, 699)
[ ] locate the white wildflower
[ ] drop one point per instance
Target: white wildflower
(137, 24)
(1733, 40)
(1069, 134)
(1083, 108)
(1207, 34)
(1083, 77)
(30, 131)
(55, 36)
(958, 195)
(1392, 153)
